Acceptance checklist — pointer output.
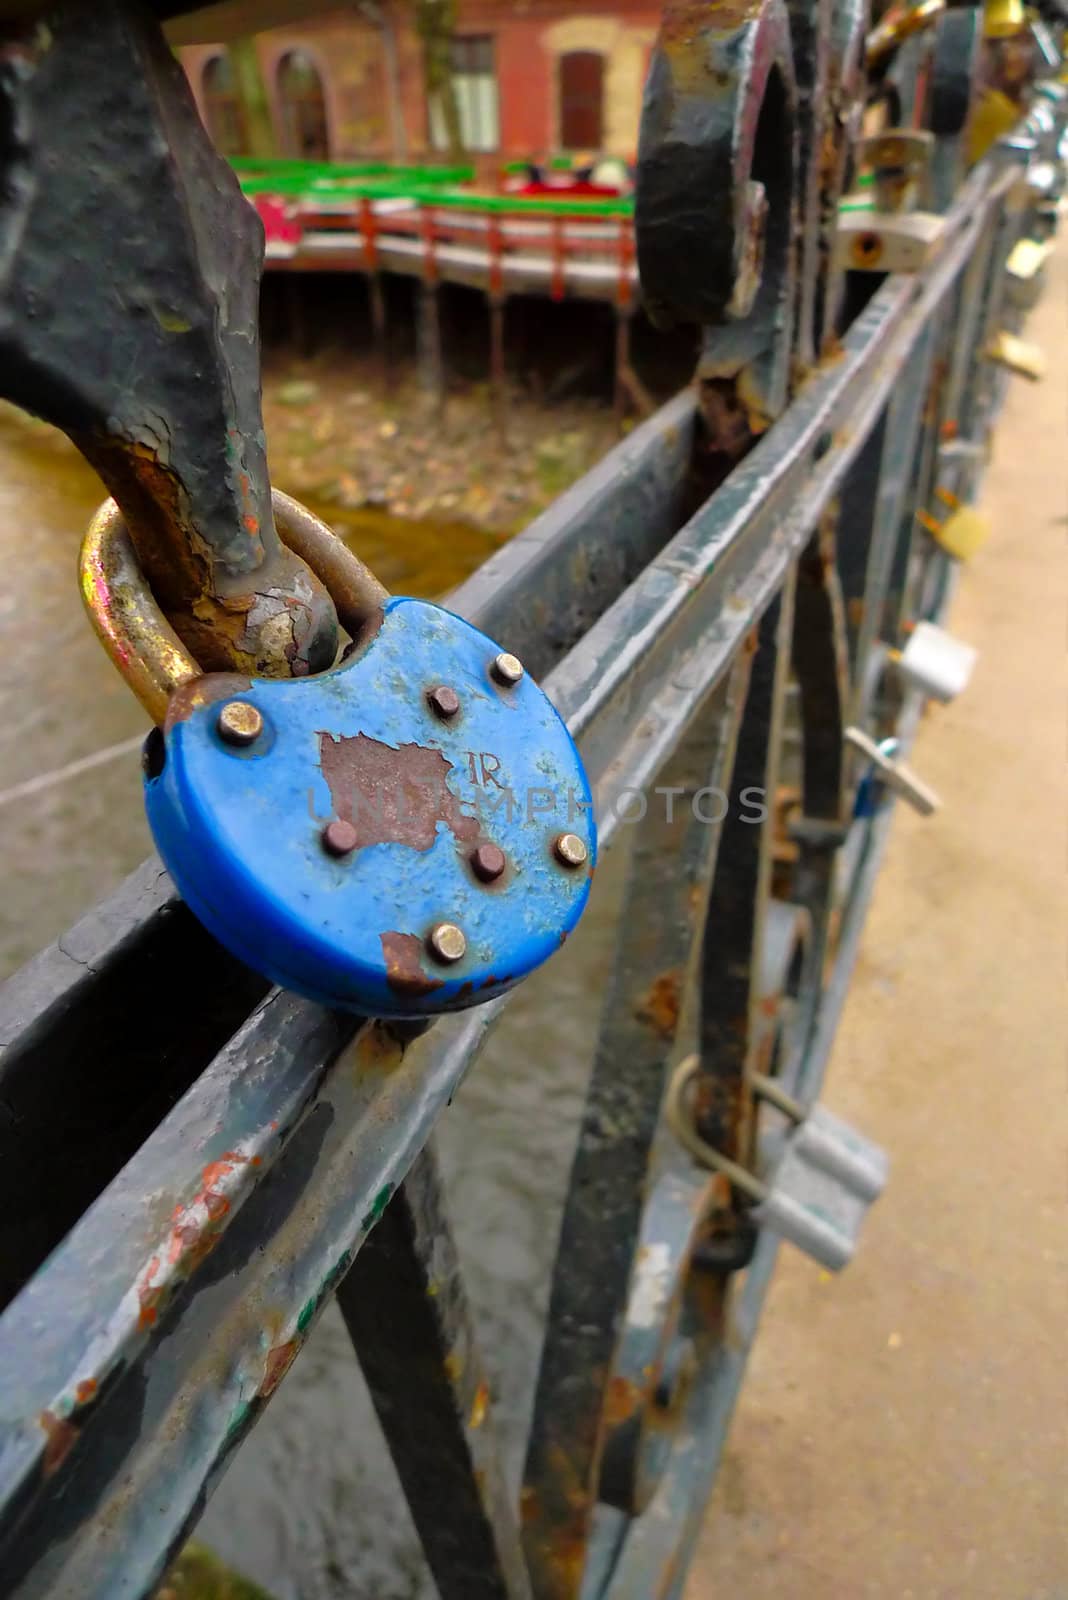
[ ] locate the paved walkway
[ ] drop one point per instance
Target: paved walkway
(903, 1431)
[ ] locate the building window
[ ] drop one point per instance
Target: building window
(223, 111)
(474, 78)
(582, 100)
(302, 106)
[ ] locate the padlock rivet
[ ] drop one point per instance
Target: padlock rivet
(446, 943)
(239, 723)
(569, 850)
(339, 838)
(443, 701)
(488, 861)
(507, 669)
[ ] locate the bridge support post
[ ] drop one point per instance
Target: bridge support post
(428, 346)
(379, 331)
(628, 387)
(498, 376)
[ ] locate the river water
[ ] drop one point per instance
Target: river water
(310, 1507)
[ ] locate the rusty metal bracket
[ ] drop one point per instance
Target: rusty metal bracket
(715, 202)
(129, 276)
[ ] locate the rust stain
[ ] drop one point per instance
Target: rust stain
(85, 1391)
(194, 1232)
(206, 691)
(623, 1399)
(61, 1437)
(404, 967)
(687, 21)
(480, 1405)
(558, 1528)
(454, 1366)
(392, 796)
(149, 1293)
(725, 416)
(376, 1049)
(660, 1005)
(279, 1361)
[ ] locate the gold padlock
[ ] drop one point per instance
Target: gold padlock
(901, 22)
(1003, 18)
(1027, 257)
(964, 533)
(1024, 275)
(994, 116)
(1024, 359)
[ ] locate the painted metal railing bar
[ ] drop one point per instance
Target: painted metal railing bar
(660, 1543)
(669, 874)
(706, 587)
(99, 1042)
(86, 1319)
(895, 480)
(974, 289)
(989, 381)
(174, 1411)
(406, 1310)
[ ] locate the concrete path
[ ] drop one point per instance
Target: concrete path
(903, 1430)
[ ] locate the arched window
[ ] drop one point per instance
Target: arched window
(223, 111)
(582, 100)
(303, 108)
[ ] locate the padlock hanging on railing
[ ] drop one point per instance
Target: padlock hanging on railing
(887, 770)
(879, 227)
(964, 532)
(935, 662)
(408, 833)
(822, 1186)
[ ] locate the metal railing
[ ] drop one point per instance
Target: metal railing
(196, 1166)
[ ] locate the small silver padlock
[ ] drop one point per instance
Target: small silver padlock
(936, 663)
(823, 1185)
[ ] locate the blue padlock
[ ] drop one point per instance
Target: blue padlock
(408, 833)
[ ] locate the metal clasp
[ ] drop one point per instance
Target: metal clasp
(139, 639)
(823, 1185)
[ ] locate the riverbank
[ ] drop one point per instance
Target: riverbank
(337, 439)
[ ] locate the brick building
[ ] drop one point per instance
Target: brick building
(533, 78)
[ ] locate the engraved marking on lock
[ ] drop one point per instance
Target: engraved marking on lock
(487, 769)
(404, 970)
(392, 796)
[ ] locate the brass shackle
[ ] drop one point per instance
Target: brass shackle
(137, 636)
(900, 22)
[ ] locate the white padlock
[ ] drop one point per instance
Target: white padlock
(936, 663)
